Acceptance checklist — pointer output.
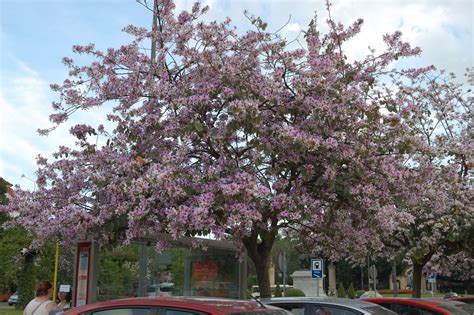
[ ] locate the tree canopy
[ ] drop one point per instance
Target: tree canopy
(240, 136)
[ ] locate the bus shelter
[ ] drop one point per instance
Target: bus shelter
(181, 270)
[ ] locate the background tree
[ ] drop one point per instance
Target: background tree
(351, 291)
(118, 272)
(437, 195)
(234, 135)
(341, 292)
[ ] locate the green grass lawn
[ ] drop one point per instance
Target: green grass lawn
(10, 311)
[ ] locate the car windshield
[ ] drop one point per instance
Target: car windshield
(378, 310)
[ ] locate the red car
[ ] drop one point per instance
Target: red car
(408, 306)
(176, 306)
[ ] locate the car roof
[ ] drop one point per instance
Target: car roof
(205, 304)
(328, 300)
(413, 301)
(462, 298)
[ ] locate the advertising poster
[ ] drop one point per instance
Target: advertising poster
(82, 279)
(214, 275)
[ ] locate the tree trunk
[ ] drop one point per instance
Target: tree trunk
(26, 280)
(263, 278)
(418, 265)
(417, 274)
(259, 245)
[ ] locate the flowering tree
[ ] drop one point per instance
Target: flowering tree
(235, 135)
(437, 195)
(432, 195)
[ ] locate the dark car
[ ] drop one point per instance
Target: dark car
(413, 306)
(176, 306)
(466, 299)
(461, 305)
(327, 306)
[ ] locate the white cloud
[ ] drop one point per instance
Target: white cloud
(24, 107)
(442, 28)
(292, 27)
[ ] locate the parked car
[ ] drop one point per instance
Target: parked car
(13, 299)
(465, 299)
(256, 291)
(370, 294)
(412, 306)
(327, 306)
(176, 306)
(461, 305)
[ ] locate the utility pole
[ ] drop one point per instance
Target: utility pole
(394, 277)
(153, 28)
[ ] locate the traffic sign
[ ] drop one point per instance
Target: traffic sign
(432, 277)
(317, 270)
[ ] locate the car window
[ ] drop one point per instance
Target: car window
(386, 305)
(175, 311)
(379, 309)
(123, 311)
(297, 309)
(331, 310)
(403, 309)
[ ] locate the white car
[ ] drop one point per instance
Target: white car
(13, 299)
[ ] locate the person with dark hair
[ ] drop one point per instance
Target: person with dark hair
(41, 304)
(64, 297)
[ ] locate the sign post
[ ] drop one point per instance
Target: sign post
(373, 277)
(282, 265)
(317, 272)
(432, 281)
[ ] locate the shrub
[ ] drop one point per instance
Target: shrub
(294, 292)
(278, 292)
(351, 292)
(341, 292)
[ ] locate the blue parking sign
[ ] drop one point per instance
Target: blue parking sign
(317, 268)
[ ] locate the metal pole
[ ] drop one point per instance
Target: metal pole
(368, 272)
(394, 278)
(362, 278)
(153, 28)
(375, 280)
(284, 280)
(317, 287)
(142, 273)
(56, 263)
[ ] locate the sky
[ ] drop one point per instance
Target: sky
(36, 34)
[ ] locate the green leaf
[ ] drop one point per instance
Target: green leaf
(198, 126)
